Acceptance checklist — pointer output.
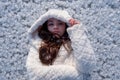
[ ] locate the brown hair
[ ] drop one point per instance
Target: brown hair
(49, 49)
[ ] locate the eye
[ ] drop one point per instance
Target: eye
(61, 23)
(50, 24)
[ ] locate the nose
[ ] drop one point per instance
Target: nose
(55, 27)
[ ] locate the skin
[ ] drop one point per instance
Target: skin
(56, 26)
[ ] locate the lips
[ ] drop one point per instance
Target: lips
(55, 31)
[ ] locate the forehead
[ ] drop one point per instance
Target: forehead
(53, 19)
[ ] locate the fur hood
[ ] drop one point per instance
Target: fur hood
(52, 13)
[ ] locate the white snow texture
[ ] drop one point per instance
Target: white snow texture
(100, 17)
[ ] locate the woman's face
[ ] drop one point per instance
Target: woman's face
(56, 26)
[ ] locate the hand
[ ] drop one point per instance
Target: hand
(73, 22)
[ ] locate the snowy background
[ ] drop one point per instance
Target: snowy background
(102, 20)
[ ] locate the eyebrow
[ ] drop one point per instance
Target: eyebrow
(49, 21)
(60, 21)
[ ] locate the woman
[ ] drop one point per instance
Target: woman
(56, 54)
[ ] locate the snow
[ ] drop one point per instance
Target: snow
(100, 17)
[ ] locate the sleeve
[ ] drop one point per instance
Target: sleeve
(82, 49)
(36, 71)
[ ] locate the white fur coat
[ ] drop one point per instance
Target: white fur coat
(76, 66)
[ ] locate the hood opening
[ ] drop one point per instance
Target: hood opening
(52, 13)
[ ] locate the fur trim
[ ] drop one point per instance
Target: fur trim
(52, 13)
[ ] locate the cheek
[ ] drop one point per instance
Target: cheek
(50, 29)
(62, 29)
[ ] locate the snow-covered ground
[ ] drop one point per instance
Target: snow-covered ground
(101, 18)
